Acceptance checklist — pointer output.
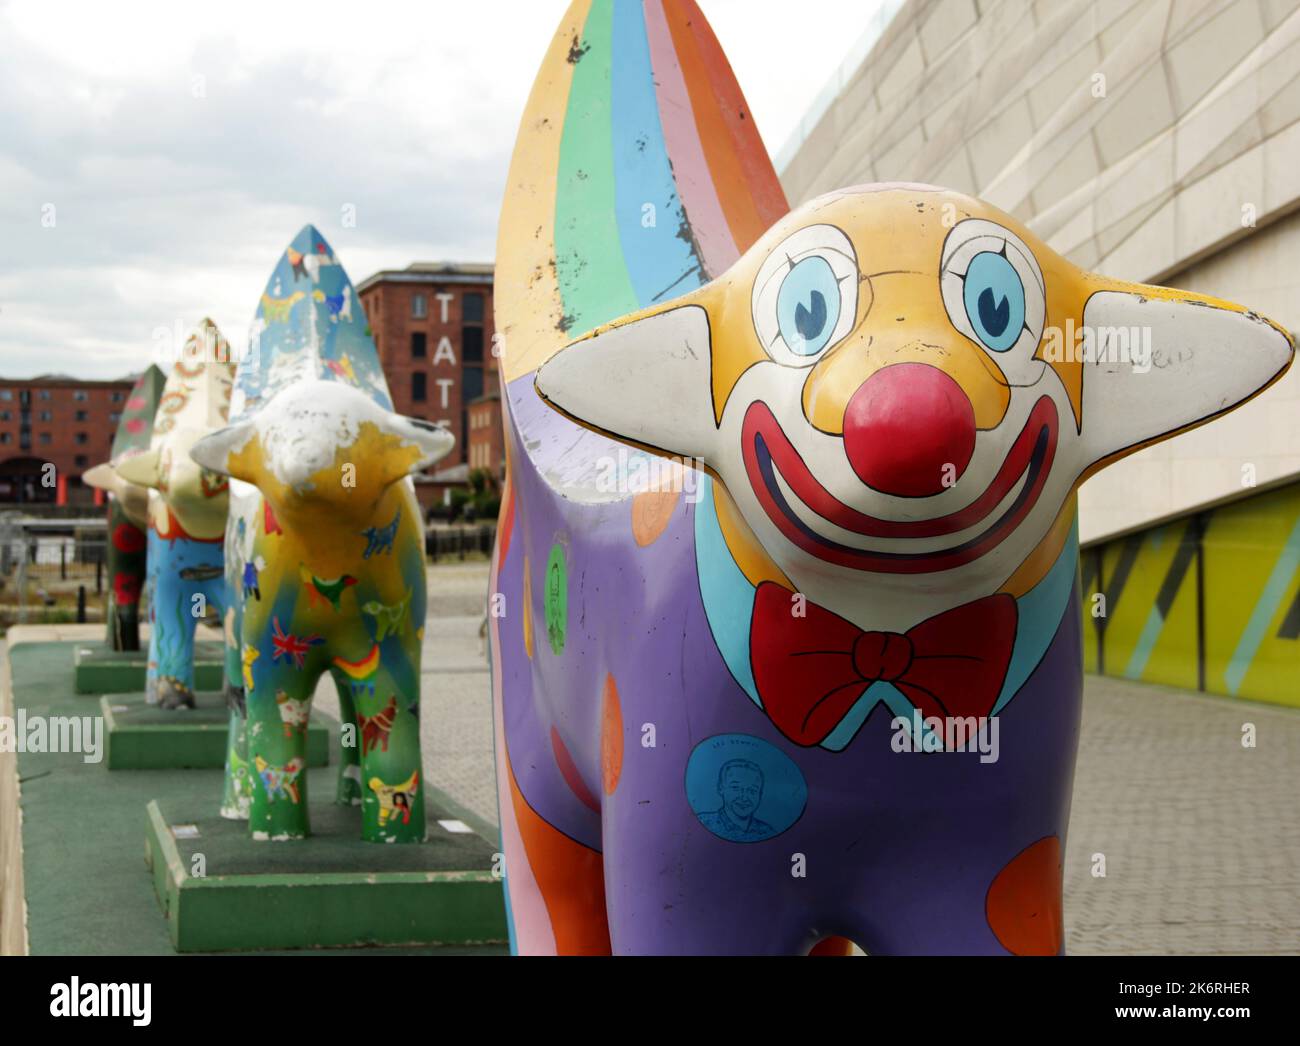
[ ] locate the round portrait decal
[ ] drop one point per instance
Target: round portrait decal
(743, 789)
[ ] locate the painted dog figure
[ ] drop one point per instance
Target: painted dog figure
(128, 512)
(324, 525)
(187, 512)
(822, 680)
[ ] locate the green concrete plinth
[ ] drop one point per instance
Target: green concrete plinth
(85, 890)
(102, 670)
(140, 736)
(222, 891)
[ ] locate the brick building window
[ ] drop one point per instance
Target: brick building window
(44, 438)
(471, 344)
(419, 307)
(5, 437)
(114, 418)
(81, 395)
(45, 415)
(82, 461)
(419, 344)
(418, 383)
(471, 308)
(82, 438)
(117, 397)
(472, 381)
(44, 394)
(82, 416)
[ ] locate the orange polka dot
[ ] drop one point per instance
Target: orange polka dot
(651, 512)
(837, 946)
(611, 737)
(1023, 905)
(507, 525)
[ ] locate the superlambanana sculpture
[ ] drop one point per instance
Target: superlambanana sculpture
(187, 512)
(327, 555)
(128, 512)
(731, 705)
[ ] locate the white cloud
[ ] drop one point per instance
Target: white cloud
(182, 147)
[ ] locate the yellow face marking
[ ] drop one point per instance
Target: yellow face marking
(898, 235)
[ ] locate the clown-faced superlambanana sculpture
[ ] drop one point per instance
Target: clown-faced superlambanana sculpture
(824, 681)
(187, 512)
(324, 529)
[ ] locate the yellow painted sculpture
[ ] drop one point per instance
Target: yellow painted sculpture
(325, 555)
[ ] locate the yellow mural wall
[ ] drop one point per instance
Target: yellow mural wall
(1208, 602)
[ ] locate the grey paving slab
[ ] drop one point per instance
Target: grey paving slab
(1201, 836)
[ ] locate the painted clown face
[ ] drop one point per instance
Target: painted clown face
(900, 384)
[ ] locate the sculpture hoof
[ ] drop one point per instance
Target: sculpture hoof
(174, 694)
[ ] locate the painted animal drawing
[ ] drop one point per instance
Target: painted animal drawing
(867, 548)
(322, 506)
(187, 512)
(128, 512)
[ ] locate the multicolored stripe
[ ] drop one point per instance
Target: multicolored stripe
(613, 201)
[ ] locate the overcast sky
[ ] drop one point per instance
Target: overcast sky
(181, 146)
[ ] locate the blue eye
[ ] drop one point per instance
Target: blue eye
(808, 306)
(995, 300)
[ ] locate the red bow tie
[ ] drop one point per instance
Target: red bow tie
(810, 670)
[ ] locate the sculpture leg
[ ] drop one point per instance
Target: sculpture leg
(277, 750)
(349, 785)
(176, 670)
(555, 885)
(126, 576)
(156, 550)
(392, 808)
(676, 888)
(930, 907)
(237, 794)
(171, 645)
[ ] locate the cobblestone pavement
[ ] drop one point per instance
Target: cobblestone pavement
(1201, 837)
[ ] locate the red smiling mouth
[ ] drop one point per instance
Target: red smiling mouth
(768, 451)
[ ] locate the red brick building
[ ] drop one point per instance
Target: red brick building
(54, 419)
(432, 323)
(487, 448)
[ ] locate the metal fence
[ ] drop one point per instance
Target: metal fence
(59, 573)
(52, 572)
(459, 542)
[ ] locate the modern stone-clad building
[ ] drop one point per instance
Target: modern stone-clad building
(1152, 140)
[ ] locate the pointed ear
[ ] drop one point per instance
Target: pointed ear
(213, 451)
(646, 380)
(435, 442)
(140, 469)
(104, 477)
(1188, 359)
